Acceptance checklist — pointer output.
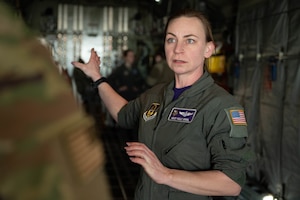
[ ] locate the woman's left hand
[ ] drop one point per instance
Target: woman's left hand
(208, 182)
(139, 153)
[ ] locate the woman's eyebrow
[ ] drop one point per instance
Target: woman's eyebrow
(190, 35)
(186, 36)
(171, 34)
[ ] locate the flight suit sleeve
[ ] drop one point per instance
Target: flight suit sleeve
(129, 115)
(228, 144)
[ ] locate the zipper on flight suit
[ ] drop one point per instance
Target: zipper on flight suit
(159, 116)
(158, 120)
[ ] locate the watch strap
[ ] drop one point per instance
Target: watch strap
(98, 82)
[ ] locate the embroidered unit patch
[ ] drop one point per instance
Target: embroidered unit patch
(238, 117)
(151, 112)
(182, 115)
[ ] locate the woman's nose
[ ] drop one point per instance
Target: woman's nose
(179, 48)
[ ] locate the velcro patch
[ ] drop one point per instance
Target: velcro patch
(238, 117)
(151, 112)
(182, 115)
(237, 120)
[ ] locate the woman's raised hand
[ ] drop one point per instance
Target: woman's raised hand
(92, 68)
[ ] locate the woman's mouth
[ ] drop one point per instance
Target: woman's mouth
(179, 61)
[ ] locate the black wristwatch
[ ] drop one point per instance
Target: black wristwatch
(98, 82)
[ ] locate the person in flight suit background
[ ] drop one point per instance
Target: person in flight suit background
(192, 133)
(160, 72)
(126, 79)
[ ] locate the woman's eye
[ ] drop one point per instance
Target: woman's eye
(190, 41)
(171, 40)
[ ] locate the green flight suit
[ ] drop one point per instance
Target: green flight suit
(196, 132)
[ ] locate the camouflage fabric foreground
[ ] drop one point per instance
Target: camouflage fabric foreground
(40, 122)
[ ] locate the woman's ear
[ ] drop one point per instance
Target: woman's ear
(209, 49)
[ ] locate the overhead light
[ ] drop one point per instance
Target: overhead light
(268, 197)
(157, 1)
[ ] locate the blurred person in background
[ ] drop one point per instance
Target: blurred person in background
(126, 79)
(160, 71)
(88, 96)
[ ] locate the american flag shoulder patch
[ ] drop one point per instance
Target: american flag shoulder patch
(237, 120)
(238, 117)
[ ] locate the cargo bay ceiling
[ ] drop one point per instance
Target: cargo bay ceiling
(220, 12)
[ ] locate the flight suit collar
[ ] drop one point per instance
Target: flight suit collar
(200, 85)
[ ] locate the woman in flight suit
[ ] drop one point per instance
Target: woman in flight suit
(192, 133)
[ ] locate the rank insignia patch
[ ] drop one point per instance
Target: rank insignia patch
(182, 115)
(151, 112)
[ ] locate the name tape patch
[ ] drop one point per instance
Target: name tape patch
(184, 115)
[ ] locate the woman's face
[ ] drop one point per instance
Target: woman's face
(186, 47)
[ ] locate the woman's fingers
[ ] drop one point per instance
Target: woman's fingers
(136, 150)
(92, 68)
(77, 64)
(140, 150)
(139, 153)
(94, 57)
